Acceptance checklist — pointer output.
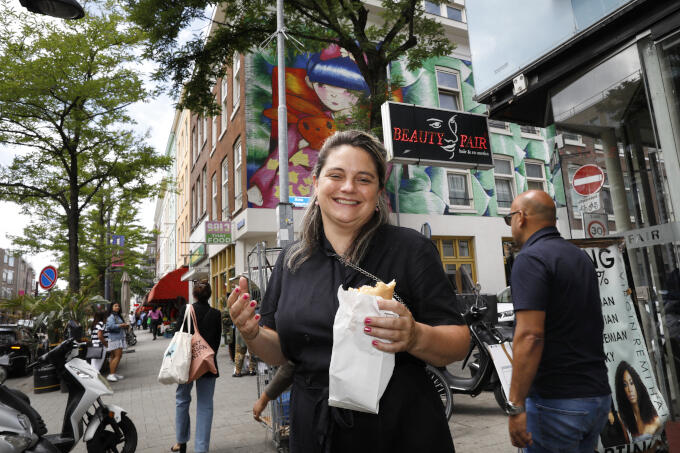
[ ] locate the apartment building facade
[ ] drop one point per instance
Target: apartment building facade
(17, 275)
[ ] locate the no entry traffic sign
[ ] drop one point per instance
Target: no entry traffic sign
(588, 180)
(48, 277)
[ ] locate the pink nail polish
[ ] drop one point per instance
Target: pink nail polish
(367, 321)
(374, 342)
(257, 317)
(236, 290)
(253, 303)
(367, 329)
(245, 296)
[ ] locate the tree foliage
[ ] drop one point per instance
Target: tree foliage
(65, 89)
(374, 36)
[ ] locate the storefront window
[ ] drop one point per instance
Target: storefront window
(457, 256)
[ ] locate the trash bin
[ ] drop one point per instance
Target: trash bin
(45, 379)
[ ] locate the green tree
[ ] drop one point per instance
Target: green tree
(400, 29)
(64, 92)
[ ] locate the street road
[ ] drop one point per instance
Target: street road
(477, 424)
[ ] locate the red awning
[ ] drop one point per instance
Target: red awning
(170, 287)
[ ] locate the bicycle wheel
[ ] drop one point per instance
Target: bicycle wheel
(442, 388)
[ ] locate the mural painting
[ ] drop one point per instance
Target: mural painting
(321, 89)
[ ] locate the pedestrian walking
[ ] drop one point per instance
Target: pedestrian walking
(559, 395)
(143, 318)
(99, 338)
(210, 327)
(347, 222)
(132, 319)
(115, 326)
(156, 316)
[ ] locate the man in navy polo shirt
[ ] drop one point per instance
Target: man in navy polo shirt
(559, 396)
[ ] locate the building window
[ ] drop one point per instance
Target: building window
(194, 148)
(201, 131)
(205, 129)
(214, 133)
(572, 139)
(223, 102)
(225, 189)
(504, 177)
(499, 126)
(535, 172)
(433, 8)
(460, 189)
(236, 82)
(448, 86)
(238, 195)
(11, 261)
(445, 10)
(530, 130)
(193, 207)
(204, 201)
(5, 258)
(213, 187)
(458, 258)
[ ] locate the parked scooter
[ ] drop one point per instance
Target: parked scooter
(103, 427)
(483, 375)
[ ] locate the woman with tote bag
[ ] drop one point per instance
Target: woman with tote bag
(209, 323)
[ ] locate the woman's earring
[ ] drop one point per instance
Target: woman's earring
(377, 208)
(316, 202)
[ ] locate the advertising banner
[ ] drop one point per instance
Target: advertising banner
(217, 232)
(427, 136)
(639, 410)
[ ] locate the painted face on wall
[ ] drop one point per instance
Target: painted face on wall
(629, 388)
(334, 97)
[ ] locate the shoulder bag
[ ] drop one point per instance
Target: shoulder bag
(177, 357)
(202, 355)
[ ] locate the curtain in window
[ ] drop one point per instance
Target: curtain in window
(458, 193)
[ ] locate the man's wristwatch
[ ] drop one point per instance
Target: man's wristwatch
(513, 409)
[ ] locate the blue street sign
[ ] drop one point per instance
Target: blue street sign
(299, 202)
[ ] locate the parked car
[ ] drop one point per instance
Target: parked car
(19, 344)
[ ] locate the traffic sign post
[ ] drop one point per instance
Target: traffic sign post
(588, 180)
(595, 225)
(48, 277)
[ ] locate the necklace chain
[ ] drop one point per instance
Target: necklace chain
(347, 263)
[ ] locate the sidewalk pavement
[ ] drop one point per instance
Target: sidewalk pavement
(477, 424)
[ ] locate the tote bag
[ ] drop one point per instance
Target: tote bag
(202, 355)
(177, 357)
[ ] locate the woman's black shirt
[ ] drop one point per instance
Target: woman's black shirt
(301, 306)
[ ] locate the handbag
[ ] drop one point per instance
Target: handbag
(94, 352)
(202, 355)
(177, 356)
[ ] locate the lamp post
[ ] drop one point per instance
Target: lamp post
(63, 9)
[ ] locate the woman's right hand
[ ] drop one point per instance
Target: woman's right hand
(242, 311)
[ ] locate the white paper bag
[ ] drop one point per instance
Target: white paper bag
(177, 356)
(359, 373)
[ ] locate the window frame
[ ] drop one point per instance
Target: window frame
(456, 259)
(213, 139)
(456, 92)
(213, 196)
(470, 207)
(531, 132)
(444, 13)
(224, 90)
(505, 176)
(225, 188)
(497, 130)
(235, 83)
(238, 176)
(204, 187)
(528, 178)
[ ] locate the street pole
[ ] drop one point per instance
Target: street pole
(107, 273)
(284, 210)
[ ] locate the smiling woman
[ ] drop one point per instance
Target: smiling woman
(346, 241)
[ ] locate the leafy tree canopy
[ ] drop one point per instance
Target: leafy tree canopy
(65, 89)
(374, 36)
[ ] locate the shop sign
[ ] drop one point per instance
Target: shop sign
(588, 180)
(217, 232)
(595, 225)
(427, 136)
(590, 203)
(654, 235)
(197, 255)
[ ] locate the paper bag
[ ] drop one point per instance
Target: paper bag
(359, 373)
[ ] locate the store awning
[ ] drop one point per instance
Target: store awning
(170, 287)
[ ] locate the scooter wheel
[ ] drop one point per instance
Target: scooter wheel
(107, 440)
(442, 387)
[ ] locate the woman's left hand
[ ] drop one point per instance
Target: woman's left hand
(401, 330)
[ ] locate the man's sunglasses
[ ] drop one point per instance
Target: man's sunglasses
(508, 217)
